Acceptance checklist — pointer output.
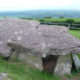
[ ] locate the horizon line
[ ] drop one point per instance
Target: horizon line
(35, 9)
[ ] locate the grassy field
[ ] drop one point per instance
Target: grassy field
(62, 19)
(75, 33)
(76, 20)
(19, 71)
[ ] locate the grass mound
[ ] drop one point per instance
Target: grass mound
(19, 71)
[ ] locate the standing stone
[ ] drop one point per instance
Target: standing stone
(31, 60)
(64, 65)
(76, 61)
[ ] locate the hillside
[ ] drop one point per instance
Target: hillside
(42, 13)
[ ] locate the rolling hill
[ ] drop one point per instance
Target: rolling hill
(42, 13)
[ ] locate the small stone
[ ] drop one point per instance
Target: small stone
(3, 75)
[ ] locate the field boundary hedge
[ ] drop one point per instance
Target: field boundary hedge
(70, 25)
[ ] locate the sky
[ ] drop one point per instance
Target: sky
(17, 5)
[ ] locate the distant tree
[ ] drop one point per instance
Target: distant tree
(22, 17)
(41, 20)
(62, 17)
(29, 18)
(25, 18)
(47, 17)
(5, 16)
(70, 21)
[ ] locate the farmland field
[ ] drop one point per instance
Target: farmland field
(62, 20)
(75, 33)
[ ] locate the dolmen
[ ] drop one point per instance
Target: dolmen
(48, 48)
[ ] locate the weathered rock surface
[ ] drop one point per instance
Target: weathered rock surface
(4, 76)
(76, 61)
(30, 36)
(12, 30)
(63, 65)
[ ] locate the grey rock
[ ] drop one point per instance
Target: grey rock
(3, 76)
(76, 61)
(30, 36)
(64, 65)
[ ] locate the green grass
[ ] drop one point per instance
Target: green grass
(56, 19)
(75, 33)
(19, 71)
(79, 55)
(59, 20)
(76, 20)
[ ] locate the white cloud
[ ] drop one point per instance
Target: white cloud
(35, 4)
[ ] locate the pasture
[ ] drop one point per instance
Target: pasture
(60, 20)
(75, 33)
(19, 71)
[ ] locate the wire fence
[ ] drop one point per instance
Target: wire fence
(71, 26)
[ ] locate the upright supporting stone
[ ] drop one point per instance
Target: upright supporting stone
(64, 65)
(14, 55)
(76, 61)
(31, 60)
